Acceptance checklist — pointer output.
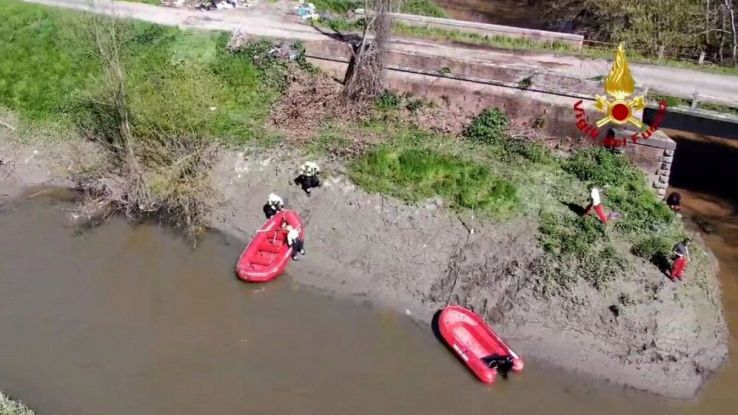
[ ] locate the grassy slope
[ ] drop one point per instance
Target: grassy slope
(173, 76)
(503, 178)
(10, 407)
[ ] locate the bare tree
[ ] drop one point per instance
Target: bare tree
(365, 74)
(158, 171)
(730, 13)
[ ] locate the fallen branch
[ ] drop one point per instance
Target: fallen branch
(4, 124)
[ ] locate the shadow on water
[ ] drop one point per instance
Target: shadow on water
(705, 165)
(437, 330)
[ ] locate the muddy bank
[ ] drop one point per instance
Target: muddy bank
(417, 259)
(124, 320)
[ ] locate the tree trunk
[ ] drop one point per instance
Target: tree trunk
(730, 7)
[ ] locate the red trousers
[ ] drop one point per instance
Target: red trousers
(599, 210)
(677, 268)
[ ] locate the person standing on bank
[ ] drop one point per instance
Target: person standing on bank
(273, 205)
(596, 204)
(681, 250)
(294, 241)
(308, 177)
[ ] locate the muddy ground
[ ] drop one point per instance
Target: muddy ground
(419, 258)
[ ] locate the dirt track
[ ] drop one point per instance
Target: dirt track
(267, 20)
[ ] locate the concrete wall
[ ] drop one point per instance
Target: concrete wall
(485, 29)
(472, 94)
(653, 156)
(696, 121)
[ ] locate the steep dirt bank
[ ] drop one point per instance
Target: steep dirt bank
(418, 258)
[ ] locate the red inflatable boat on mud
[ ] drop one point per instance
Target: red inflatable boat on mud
(475, 343)
(268, 254)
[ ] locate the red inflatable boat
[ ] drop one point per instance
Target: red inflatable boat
(473, 340)
(268, 254)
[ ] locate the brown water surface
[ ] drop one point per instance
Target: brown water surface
(704, 172)
(131, 320)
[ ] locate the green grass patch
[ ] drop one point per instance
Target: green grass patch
(423, 8)
(337, 6)
(175, 79)
(418, 7)
(576, 249)
(476, 39)
(670, 100)
(625, 188)
(655, 249)
(413, 173)
(330, 140)
(44, 60)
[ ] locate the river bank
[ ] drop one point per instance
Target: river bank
(434, 261)
(403, 179)
(125, 319)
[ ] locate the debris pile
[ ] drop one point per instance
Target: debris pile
(207, 5)
(222, 4)
(283, 50)
(306, 11)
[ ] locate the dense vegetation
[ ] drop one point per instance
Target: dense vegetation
(680, 27)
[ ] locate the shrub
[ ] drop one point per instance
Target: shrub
(654, 249)
(414, 105)
(513, 149)
(388, 100)
(488, 127)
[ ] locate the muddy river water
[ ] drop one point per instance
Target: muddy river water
(131, 320)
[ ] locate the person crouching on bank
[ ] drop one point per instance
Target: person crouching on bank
(681, 252)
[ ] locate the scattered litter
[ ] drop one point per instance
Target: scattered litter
(207, 5)
(306, 11)
(407, 312)
(243, 340)
(212, 108)
(285, 50)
